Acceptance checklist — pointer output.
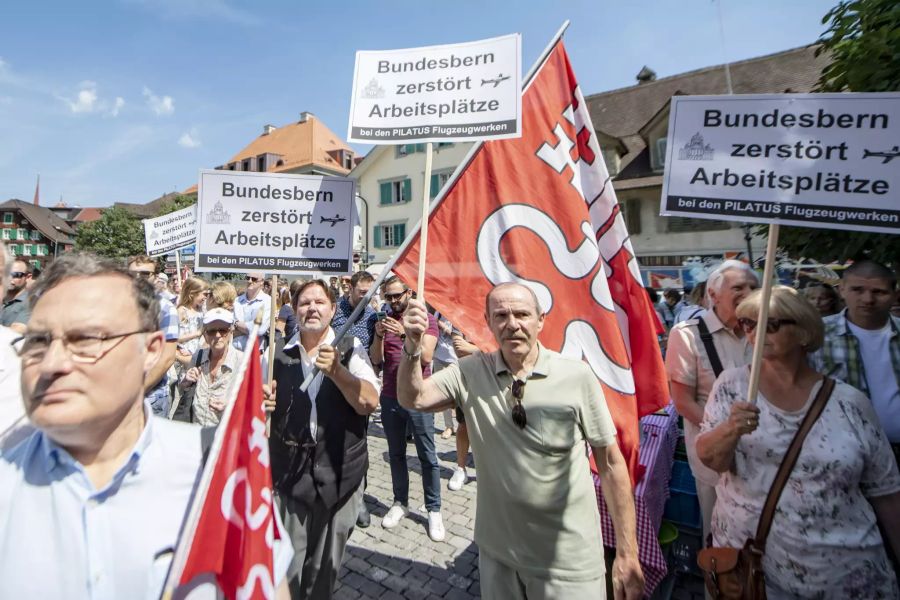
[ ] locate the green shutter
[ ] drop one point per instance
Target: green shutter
(377, 233)
(420, 147)
(385, 193)
(410, 148)
(407, 190)
(399, 234)
(435, 186)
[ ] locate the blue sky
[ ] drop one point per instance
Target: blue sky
(124, 100)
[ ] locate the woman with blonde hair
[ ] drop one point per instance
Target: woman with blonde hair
(191, 306)
(222, 295)
(826, 541)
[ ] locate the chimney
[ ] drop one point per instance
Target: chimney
(267, 129)
(646, 75)
(37, 192)
(305, 116)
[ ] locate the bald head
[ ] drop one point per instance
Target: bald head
(508, 286)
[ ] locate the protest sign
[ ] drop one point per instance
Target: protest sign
(456, 92)
(815, 160)
(170, 232)
(279, 223)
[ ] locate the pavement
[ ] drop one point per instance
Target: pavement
(403, 562)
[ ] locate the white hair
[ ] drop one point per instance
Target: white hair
(715, 279)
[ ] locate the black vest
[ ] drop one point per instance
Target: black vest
(332, 465)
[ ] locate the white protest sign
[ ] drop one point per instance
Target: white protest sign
(170, 232)
(279, 223)
(457, 92)
(815, 160)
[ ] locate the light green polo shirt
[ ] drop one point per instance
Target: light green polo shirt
(536, 506)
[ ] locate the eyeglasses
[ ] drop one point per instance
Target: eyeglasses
(84, 348)
(17, 274)
(772, 325)
(518, 411)
(395, 297)
(144, 273)
(254, 279)
(223, 331)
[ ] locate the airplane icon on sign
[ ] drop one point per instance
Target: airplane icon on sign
(333, 220)
(500, 79)
(888, 156)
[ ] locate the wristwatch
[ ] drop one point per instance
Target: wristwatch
(416, 355)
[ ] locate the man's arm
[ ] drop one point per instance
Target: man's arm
(628, 578)
(684, 397)
(413, 392)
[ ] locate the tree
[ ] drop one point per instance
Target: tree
(116, 234)
(177, 203)
(863, 41)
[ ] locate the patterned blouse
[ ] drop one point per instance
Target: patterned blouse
(212, 388)
(824, 541)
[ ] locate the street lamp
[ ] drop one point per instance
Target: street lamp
(747, 237)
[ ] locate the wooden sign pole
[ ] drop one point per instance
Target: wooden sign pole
(763, 317)
(426, 197)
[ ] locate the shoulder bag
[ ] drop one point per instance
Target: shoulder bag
(737, 573)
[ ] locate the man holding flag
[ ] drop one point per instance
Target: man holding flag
(530, 411)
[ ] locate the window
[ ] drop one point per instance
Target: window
(7, 218)
(631, 214)
(7, 234)
(21, 234)
(42, 249)
(261, 163)
(245, 165)
(611, 158)
(689, 224)
(396, 192)
(444, 145)
(231, 166)
(660, 161)
(407, 149)
(26, 249)
(35, 235)
(390, 236)
(438, 180)
(13, 249)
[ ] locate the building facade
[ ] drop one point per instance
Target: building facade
(34, 233)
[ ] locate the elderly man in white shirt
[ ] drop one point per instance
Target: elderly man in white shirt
(246, 307)
(92, 502)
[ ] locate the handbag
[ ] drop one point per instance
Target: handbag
(737, 573)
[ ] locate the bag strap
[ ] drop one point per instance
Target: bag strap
(789, 460)
(706, 338)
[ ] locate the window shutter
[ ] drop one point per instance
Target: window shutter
(410, 148)
(420, 147)
(399, 234)
(633, 216)
(407, 190)
(377, 233)
(435, 185)
(385, 193)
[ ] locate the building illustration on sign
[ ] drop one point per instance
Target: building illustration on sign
(218, 215)
(372, 90)
(696, 150)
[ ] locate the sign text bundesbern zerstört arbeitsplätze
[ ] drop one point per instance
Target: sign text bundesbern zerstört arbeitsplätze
(457, 92)
(816, 160)
(279, 223)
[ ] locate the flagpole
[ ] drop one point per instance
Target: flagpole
(763, 317)
(178, 266)
(270, 366)
(426, 190)
(190, 524)
(473, 151)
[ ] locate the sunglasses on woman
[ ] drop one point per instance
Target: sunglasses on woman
(518, 411)
(772, 325)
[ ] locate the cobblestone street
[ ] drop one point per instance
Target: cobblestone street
(403, 562)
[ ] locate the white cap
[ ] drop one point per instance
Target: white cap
(162, 277)
(218, 314)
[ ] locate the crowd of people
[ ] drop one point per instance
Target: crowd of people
(88, 452)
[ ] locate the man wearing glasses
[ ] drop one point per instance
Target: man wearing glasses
(246, 307)
(15, 311)
(387, 348)
(530, 412)
(157, 383)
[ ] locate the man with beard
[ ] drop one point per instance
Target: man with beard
(15, 311)
(318, 443)
(387, 349)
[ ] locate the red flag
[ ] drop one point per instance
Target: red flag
(541, 210)
(235, 531)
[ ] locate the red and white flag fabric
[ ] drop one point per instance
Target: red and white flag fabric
(541, 210)
(231, 532)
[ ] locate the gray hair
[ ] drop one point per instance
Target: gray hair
(83, 264)
(715, 279)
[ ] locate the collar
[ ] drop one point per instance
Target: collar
(541, 367)
(843, 328)
(231, 358)
(261, 296)
(295, 345)
(21, 297)
(713, 322)
(55, 455)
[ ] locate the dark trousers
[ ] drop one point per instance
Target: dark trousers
(395, 419)
(319, 535)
